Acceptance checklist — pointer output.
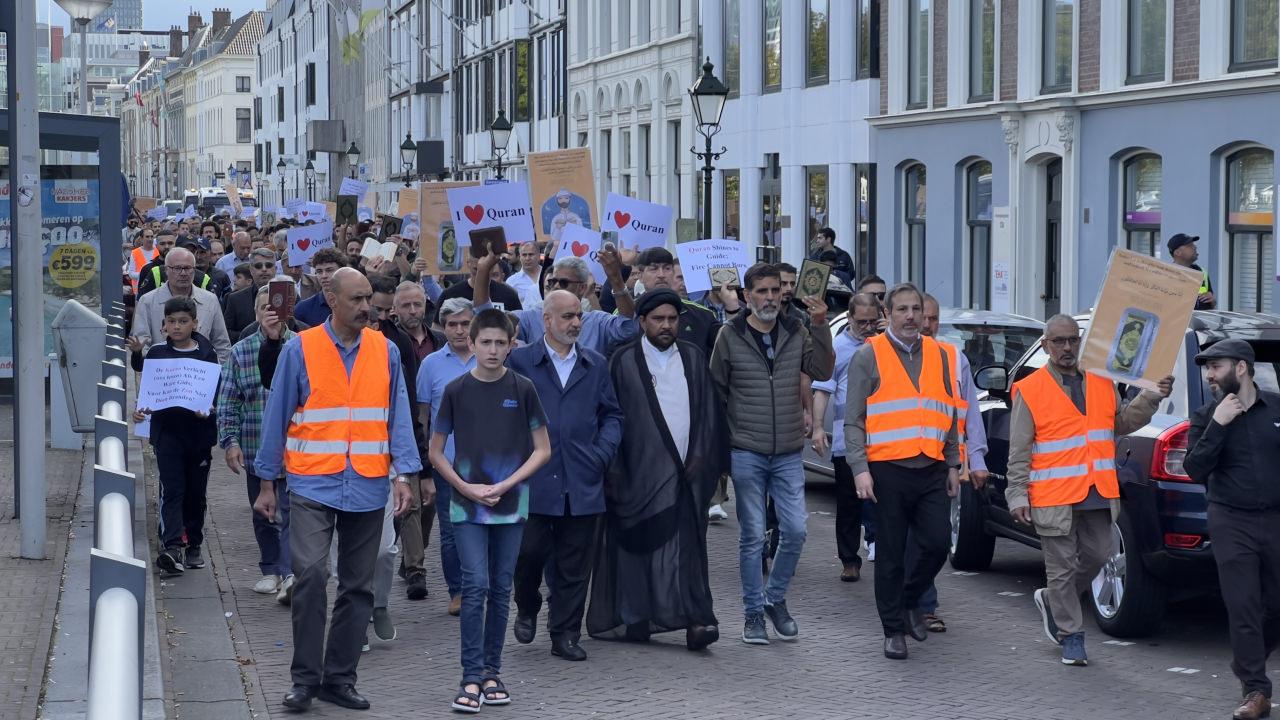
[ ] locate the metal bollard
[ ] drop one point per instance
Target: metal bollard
(114, 671)
(111, 454)
(115, 525)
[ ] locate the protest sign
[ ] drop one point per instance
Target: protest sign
(144, 204)
(314, 211)
(577, 241)
(331, 210)
(640, 224)
(294, 206)
(492, 206)
(698, 256)
(686, 230)
(364, 214)
(248, 212)
(433, 209)
(563, 192)
(233, 198)
(1140, 319)
(352, 186)
(189, 384)
(157, 213)
(408, 202)
(305, 240)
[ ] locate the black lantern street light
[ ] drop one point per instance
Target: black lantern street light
(280, 172)
(173, 183)
(309, 172)
(408, 154)
(353, 155)
(708, 95)
(499, 137)
(155, 180)
(133, 184)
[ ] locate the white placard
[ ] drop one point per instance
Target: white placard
(639, 224)
(577, 241)
(143, 429)
(364, 214)
(352, 186)
(190, 384)
(294, 206)
(306, 240)
(315, 211)
(484, 206)
(1000, 287)
(157, 213)
(698, 256)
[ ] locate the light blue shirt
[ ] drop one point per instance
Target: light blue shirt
(845, 346)
(348, 491)
(436, 372)
(975, 434)
(432, 289)
(227, 263)
(600, 330)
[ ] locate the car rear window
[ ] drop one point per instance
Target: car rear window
(1266, 364)
(986, 345)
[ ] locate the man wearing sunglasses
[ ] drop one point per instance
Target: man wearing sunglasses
(1062, 473)
(239, 305)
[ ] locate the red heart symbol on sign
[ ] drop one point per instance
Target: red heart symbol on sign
(474, 213)
(579, 249)
(621, 218)
(304, 243)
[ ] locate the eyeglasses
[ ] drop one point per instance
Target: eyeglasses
(562, 282)
(866, 323)
(181, 268)
(263, 266)
(1061, 342)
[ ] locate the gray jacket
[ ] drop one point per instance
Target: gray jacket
(765, 410)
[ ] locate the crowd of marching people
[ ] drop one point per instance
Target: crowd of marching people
(555, 430)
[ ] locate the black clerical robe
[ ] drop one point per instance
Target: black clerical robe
(651, 567)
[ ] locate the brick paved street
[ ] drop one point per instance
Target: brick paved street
(992, 663)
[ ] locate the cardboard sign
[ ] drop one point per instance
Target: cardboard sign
(352, 186)
(331, 210)
(190, 384)
(233, 198)
(563, 193)
(698, 256)
(306, 240)
(489, 205)
(144, 204)
(640, 224)
(408, 202)
(1140, 319)
(577, 241)
(346, 210)
(433, 210)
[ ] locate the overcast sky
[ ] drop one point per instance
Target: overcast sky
(160, 14)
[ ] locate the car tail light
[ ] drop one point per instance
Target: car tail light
(1182, 541)
(1170, 451)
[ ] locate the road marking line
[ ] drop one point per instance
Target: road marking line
(1183, 671)
(964, 573)
(1121, 643)
(1008, 593)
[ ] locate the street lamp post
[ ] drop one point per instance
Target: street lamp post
(133, 184)
(155, 181)
(280, 173)
(499, 137)
(408, 153)
(81, 11)
(353, 155)
(708, 95)
(309, 172)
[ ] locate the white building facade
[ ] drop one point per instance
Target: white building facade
(803, 76)
(630, 65)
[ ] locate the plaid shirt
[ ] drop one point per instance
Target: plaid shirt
(242, 397)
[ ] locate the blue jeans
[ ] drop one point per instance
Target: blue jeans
(273, 538)
(488, 555)
(780, 477)
(449, 564)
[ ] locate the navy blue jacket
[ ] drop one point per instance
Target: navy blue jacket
(585, 425)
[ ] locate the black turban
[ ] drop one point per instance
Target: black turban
(656, 298)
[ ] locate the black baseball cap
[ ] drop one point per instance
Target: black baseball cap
(1229, 349)
(1181, 239)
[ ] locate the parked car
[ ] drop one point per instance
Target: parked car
(1161, 549)
(986, 338)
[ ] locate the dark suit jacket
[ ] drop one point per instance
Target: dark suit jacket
(585, 425)
(237, 309)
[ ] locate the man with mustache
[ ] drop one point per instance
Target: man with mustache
(756, 365)
(1062, 473)
(1233, 448)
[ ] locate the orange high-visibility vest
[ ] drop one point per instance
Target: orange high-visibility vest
(1071, 452)
(960, 401)
(901, 421)
(138, 259)
(344, 416)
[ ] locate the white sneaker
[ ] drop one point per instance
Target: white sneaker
(717, 513)
(284, 595)
(871, 552)
(268, 585)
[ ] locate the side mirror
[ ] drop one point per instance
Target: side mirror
(992, 378)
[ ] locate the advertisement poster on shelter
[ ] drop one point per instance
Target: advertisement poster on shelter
(564, 192)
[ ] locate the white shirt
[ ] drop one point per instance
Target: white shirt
(564, 365)
(526, 288)
(672, 389)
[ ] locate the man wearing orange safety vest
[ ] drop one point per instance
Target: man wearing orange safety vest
(1062, 473)
(901, 444)
(141, 256)
(338, 425)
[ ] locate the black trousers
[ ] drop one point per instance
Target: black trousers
(1246, 546)
(311, 528)
(848, 515)
(569, 543)
(183, 467)
(911, 501)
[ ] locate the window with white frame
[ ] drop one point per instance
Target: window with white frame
(819, 42)
(1250, 202)
(1058, 32)
(1254, 34)
(772, 51)
(982, 50)
(913, 216)
(732, 45)
(978, 222)
(918, 29)
(1143, 188)
(1147, 40)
